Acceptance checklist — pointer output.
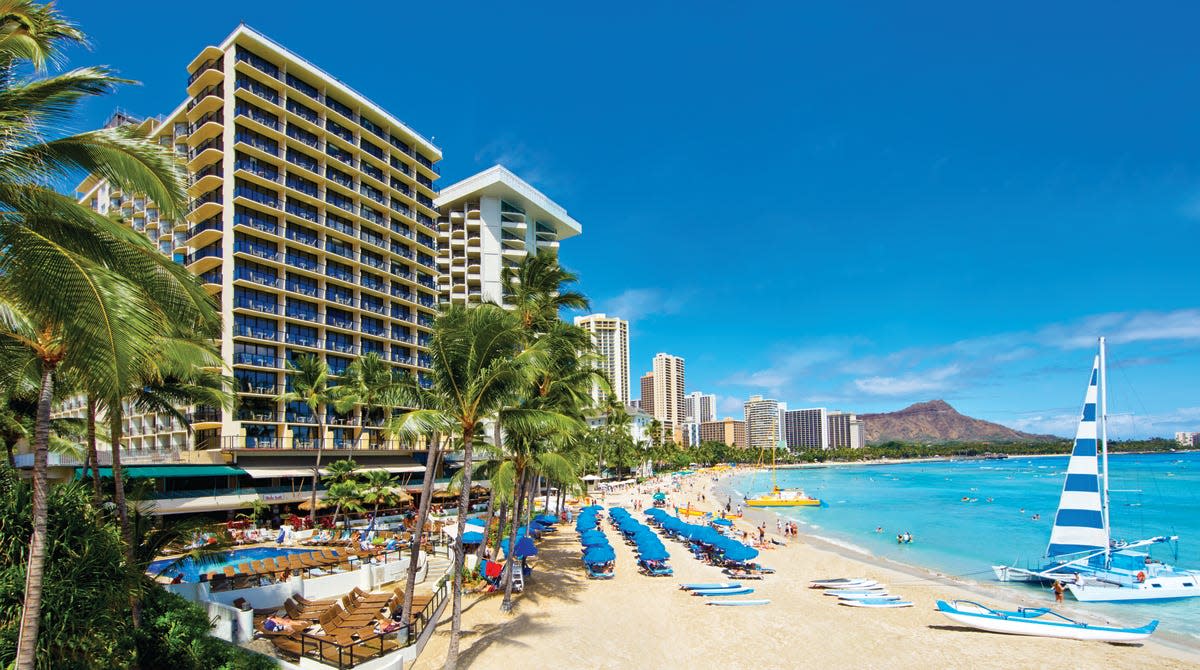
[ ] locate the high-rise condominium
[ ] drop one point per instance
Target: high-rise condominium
(491, 221)
(311, 223)
(762, 422)
(647, 400)
(668, 390)
(845, 430)
(610, 335)
(806, 428)
(728, 431)
(700, 407)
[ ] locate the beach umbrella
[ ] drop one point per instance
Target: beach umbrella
(472, 537)
(593, 537)
(722, 522)
(524, 548)
(660, 496)
(594, 542)
(740, 552)
(654, 554)
(475, 521)
(602, 554)
(592, 508)
(548, 519)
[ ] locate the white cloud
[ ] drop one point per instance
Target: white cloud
(1120, 426)
(730, 406)
(931, 381)
(637, 303)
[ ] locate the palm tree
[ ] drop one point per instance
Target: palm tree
(310, 385)
(378, 487)
(79, 292)
(346, 497)
(369, 382)
(479, 368)
(338, 473)
(536, 289)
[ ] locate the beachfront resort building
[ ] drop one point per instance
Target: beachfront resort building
(610, 336)
(491, 221)
(1188, 440)
(845, 430)
(668, 379)
(728, 431)
(312, 223)
(700, 407)
(646, 403)
(762, 422)
(806, 428)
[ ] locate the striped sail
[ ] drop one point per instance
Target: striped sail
(1079, 524)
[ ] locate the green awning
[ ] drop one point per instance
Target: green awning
(164, 471)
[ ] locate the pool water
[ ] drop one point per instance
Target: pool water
(191, 571)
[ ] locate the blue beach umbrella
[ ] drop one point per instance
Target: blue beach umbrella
(472, 537)
(547, 519)
(722, 522)
(524, 548)
(740, 552)
(654, 554)
(592, 508)
(599, 555)
(476, 522)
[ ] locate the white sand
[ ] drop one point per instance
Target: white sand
(564, 620)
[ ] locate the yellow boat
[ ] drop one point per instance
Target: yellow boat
(782, 497)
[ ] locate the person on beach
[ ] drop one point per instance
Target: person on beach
(1058, 591)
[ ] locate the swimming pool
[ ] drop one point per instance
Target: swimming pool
(191, 571)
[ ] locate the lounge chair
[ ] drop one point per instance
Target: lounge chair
(596, 575)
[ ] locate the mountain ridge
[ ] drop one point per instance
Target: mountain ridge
(937, 421)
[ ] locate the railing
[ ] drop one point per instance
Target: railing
(211, 223)
(206, 252)
(309, 290)
(265, 92)
(246, 331)
(214, 64)
(257, 141)
(265, 225)
(303, 211)
(302, 340)
(302, 263)
(260, 278)
(216, 89)
(256, 305)
(268, 172)
(258, 62)
(256, 250)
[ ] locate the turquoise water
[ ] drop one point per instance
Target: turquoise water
(191, 571)
(1151, 494)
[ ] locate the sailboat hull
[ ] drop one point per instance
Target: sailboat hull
(1030, 623)
(1174, 588)
(783, 503)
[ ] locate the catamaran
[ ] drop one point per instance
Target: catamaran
(781, 497)
(1082, 554)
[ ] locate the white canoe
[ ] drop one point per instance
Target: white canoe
(709, 587)
(853, 584)
(823, 583)
(737, 603)
(876, 603)
(1040, 622)
(868, 596)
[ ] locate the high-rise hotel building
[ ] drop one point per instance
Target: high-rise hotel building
(762, 422)
(488, 222)
(610, 336)
(311, 222)
(668, 384)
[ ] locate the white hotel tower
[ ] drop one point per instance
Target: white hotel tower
(490, 221)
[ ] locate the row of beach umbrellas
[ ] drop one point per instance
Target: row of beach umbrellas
(596, 548)
(729, 548)
(649, 546)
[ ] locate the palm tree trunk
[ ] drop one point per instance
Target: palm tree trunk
(312, 500)
(547, 496)
(464, 501)
(487, 520)
(114, 429)
(92, 455)
(414, 550)
(506, 604)
(8, 446)
(503, 519)
(31, 615)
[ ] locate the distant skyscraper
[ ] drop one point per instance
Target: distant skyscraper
(762, 422)
(700, 407)
(845, 430)
(610, 335)
(648, 393)
(668, 390)
(806, 428)
(781, 423)
(728, 431)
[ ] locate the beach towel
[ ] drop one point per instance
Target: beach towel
(493, 569)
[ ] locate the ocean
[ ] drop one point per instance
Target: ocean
(1006, 519)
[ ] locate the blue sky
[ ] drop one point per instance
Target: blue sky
(858, 206)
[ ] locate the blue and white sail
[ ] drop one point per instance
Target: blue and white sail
(1080, 525)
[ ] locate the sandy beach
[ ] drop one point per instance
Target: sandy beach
(566, 620)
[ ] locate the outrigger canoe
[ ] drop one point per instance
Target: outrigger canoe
(1039, 622)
